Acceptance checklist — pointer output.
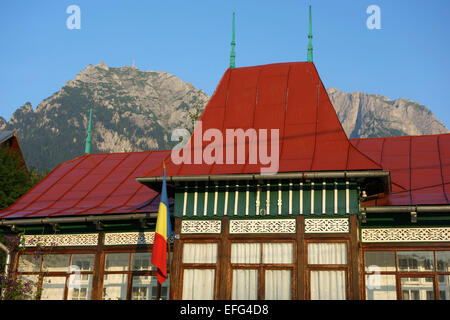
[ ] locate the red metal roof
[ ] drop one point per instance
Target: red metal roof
(285, 96)
(92, 184)
(419, 166)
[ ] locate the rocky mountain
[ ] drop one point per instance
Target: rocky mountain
(371, 115)
(133, 110)
(136, 110)
(3, 123)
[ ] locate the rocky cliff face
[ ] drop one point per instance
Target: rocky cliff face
(133, 110)
(371, 115)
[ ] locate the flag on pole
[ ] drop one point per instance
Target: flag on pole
(162, 234)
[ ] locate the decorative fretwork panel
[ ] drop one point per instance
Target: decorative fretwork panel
(336, 225)
(263, 226)
(129, 238)
(201, 226)
(405, 235)
(61, 240)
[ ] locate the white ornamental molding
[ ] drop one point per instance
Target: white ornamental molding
(263, 226)
(325, 225)
(61, 240)
(129, 238)
(406, 235)
(201, 226)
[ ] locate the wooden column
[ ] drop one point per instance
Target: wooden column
(224, 266)
(175, 277)
(355, 259)
(301, 294)
(97, 280)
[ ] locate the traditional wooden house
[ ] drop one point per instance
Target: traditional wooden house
(336, 219)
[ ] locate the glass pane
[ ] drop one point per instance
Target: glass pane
(117, 262)
(417, 289)
(85, 262)
(56, 262)
(198, 284)
(31, 288)
(144, 288)
(200, 253)
(115, 287)
(245, 284)
(278, 252)
(165, 290)
(380, 261)
(328, 285)
(443, 261)
(28, 263)
(80, 287)
(142, 261)
(415, 260)
(444, 287)
(327, 253)
(245, 253)
(278, 285)
(381, 287)
(53, 288)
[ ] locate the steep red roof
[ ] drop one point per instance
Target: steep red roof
(92, 184)
(285, 96)
(419, 166)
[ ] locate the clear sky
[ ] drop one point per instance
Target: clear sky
(408, 57)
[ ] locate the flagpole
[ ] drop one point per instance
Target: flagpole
(170, 267)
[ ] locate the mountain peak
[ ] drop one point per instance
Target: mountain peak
(103, 66)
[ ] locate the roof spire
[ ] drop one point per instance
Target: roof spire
(233, 44)
(310, 47)
(87, 149)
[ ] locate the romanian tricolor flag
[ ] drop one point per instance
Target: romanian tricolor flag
(163, 232)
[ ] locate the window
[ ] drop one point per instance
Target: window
(418, 273)
(327, 269)
(199, 270)
(130, 275)
(64, 276)
(262, 265)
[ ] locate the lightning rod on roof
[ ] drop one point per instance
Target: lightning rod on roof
(310, 47)
(87, 149)
(233, 44)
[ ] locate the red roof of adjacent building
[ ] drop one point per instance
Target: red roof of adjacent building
(419, 167)
(92, 184)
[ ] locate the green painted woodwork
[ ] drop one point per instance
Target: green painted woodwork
(241, 190)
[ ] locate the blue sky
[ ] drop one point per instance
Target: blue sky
(408, 57)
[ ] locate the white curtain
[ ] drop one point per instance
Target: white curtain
(278, 253)
(278, 285)
(200, 253)
(245, 253)
(327, 253)
(198, 284)
(245, 284)
(328, 285)
(115, 286)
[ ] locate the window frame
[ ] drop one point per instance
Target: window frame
(182, 265)
(434, 274)
(327, 267)
(262, 267)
